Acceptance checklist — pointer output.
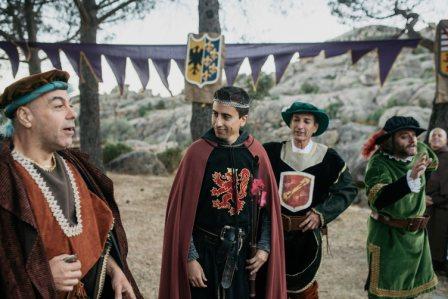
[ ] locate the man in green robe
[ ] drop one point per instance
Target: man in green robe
(398, 251)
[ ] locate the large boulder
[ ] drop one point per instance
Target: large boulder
(164, 125)
(139, 162)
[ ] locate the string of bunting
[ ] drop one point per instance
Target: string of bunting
(162, 55)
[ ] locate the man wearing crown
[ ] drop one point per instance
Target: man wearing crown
(209, 229)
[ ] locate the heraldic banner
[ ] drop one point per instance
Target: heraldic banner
(203, 66)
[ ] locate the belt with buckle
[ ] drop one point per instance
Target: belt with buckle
(291, 223)
(410, 224)
(227, 233)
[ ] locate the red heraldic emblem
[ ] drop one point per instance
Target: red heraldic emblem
(296, 190)
(224, 192)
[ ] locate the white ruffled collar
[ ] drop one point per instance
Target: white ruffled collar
(406, 160)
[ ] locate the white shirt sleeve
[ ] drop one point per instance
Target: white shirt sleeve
(414, 185)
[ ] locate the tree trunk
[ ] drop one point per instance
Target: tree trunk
(208, 22)
(89, 118)
(209, 16)
(439, 114)
(439, 117)
(31, 28)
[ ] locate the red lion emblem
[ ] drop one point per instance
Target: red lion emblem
(224, 183)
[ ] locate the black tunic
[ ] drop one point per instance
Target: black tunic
(216, 209)
(333, 193)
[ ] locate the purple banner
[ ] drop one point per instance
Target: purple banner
(161, 56)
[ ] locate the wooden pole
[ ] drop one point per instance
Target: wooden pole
(439, 115)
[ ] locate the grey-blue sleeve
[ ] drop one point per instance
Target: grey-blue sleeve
(192, 252)
(265, 237)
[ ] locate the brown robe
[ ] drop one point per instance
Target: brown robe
(24, 268)
(96, 220)
(437, 188)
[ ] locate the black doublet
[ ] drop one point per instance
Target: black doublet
(333, 193)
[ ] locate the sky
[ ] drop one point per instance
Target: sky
(250, 21)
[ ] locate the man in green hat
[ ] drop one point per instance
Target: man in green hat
(398, 251)
(315, 187)
(61, 234)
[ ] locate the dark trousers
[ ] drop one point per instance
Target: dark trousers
(212, 258)
(438, 233)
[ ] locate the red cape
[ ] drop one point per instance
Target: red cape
(180, 216)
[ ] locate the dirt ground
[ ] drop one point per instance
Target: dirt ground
(142, 200)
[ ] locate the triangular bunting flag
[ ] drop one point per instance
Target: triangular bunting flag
(387, 55)
(73, 56)
(256, 63)
(94, 62)
(163, 69)
(358, 54)
(141, 67)
(281, 63)
(181, 65)
(332, 52)
(118, 66)
(53, 55)
(232, 67)
(13, 55)
(311, 51)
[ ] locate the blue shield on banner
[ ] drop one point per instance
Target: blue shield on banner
(203, 62)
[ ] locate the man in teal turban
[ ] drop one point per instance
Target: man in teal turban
(60, 229)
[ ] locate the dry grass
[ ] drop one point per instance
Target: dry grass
(142, 201)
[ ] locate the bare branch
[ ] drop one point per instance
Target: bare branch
(367, 12)
(114, 19)
(70, 38)
(114, 10)
(8, 36)
(106, 3)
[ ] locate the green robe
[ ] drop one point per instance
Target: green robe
(399, 260)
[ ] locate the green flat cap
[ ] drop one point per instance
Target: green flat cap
(301, 107)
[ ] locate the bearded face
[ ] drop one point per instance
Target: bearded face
(404, 143)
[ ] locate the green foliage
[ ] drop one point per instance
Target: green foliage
(114, 150)
(143, 110)
(420, 50)
(374, 117)
(392, 102)
(160, 105)
(309, 88)
(170, 158)
(264, 84)
(333, 109)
